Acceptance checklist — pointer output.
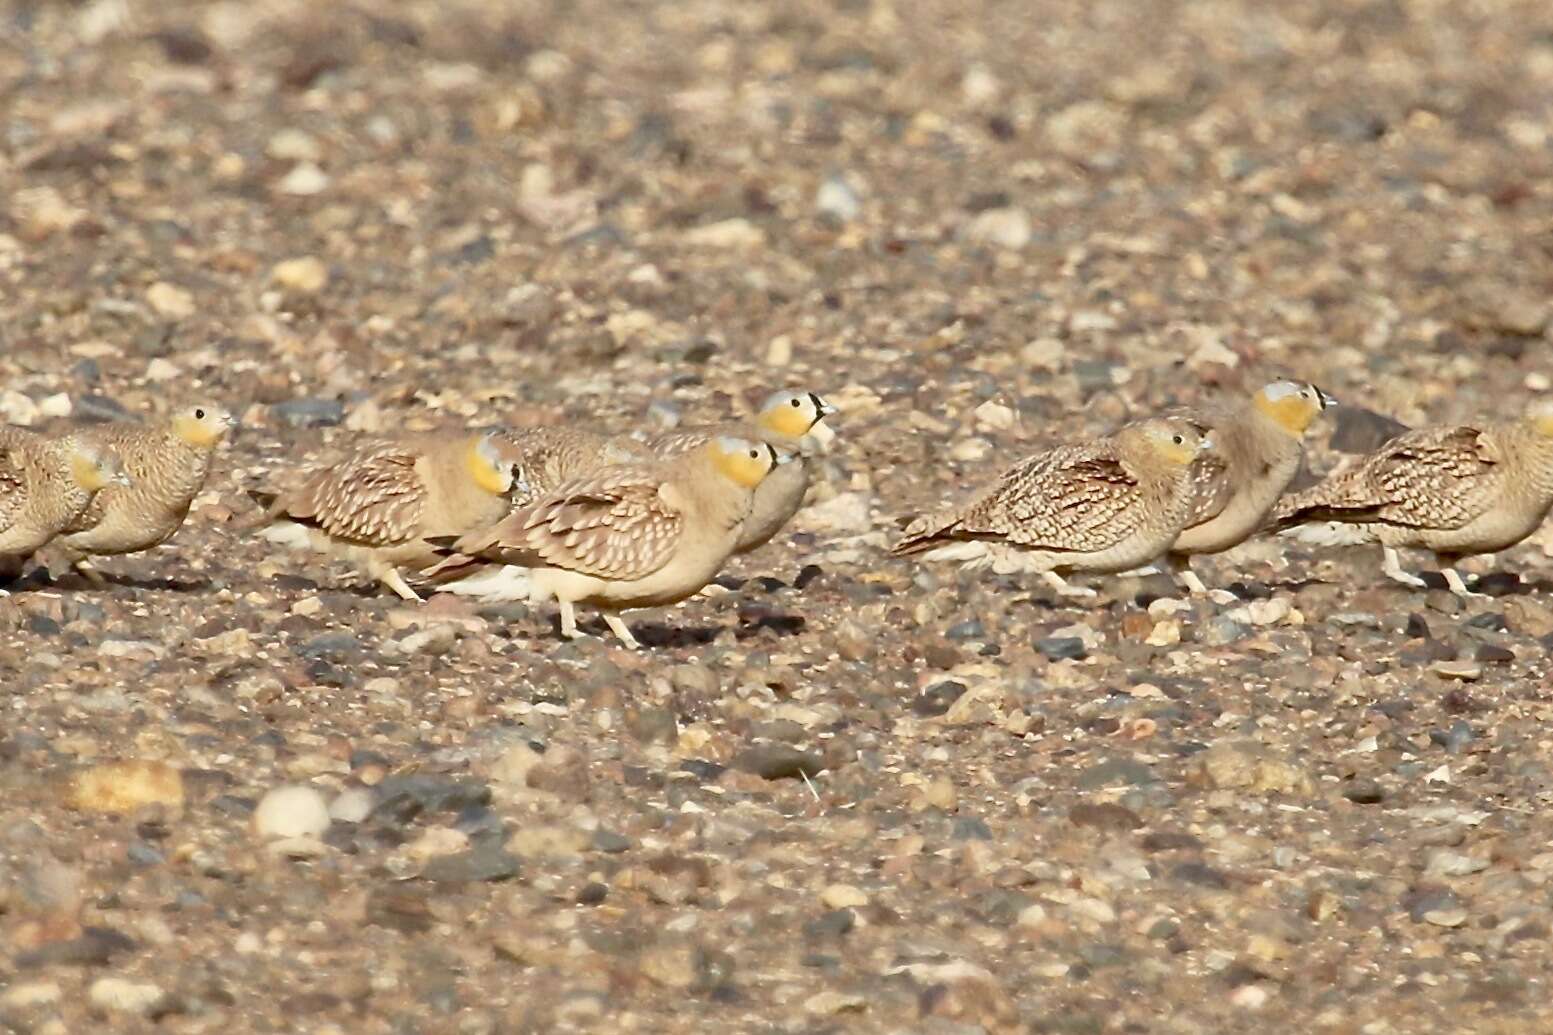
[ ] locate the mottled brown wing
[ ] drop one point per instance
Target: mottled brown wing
(13, 490)
(1429, 478)
(373, 498)
(1434, 477)
(1210, 488)
(548, 458)
(603, 526)
(1072, 498)
(683, 440)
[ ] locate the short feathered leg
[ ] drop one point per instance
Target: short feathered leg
(1391, 565)
(1058, 583)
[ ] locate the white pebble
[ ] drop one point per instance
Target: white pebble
(294, 811)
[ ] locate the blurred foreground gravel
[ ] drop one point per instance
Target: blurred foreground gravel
(844, 793)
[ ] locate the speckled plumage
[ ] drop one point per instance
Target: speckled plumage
(168, 464)
(379, 506)
(620, 537)
(546, 458)
(1457, 491)
(1103, 506)
(45, 484)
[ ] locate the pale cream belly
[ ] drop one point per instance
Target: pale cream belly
(1133, 552)
(1499, 529)
(679, 579)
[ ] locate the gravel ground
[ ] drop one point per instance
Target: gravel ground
(846, 793)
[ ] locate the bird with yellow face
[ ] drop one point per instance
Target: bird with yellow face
(1458, 491)
(791, 421)
(381, 505)
(168, 462)
(626, 536)
(1259, 448)
(1103, 506)
(45, 484)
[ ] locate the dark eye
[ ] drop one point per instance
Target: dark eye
(1177, 440)
(797, 403)
(199, 414)
(754, 454)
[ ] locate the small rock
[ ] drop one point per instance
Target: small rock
(1251, 766)
(309, 413)
(303, 181)
(843, 896)
(1364, 792)
(1104, 816)
(170, 301)
(561, 771)
(671, 966)
(1002, 227)
(31, 995)
(1062, 648)
(486, 862)
(838, 200)
(1446, 917)
(937, 699)
(352, 805)
(1445, 863)
(941, 794)
(778, 762)
(306, 275)
(292, 811)
(846, 513)
(120, 787)
(732, 234)
(119, 995)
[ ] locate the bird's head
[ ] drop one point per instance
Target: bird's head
(489, 465)
(202, 424)
(1174, 440)
(1292, 405)
(792, 415)
(742, 461)
(94, 468)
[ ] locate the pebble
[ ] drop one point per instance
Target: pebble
(732, 234)
(309, 413)
(779, 762)
(485, 862)
(838, 200)
(303, 276)
(1250, 765)
(170, 301)
(291, 811)
(125, 786)
(119, 995)
(1062, 648)
(843, 896)
(1002, 227)
(304, 181)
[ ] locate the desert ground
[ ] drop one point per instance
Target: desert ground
(843, 792)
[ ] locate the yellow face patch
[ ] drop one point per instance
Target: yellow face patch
(744, 463)
(93, 473)
(788, 420)
(488, 473)
(201, 426)
(1175, 453)
(1293, 413)
(1544, 424)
